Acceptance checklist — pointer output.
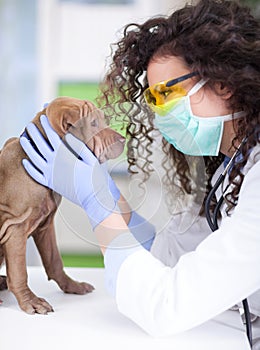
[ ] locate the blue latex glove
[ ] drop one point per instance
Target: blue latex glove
(111, 184)
(81, 180)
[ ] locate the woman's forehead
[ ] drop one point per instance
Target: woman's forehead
(165, 68)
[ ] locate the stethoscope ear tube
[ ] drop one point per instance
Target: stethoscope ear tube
(248, 321)
(213, 224)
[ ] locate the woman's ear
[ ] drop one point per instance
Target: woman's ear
(223, 91)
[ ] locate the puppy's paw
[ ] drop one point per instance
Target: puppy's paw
(85, 287)
(36, 306)
(74, 287)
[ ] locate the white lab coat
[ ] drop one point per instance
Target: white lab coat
(196, 274)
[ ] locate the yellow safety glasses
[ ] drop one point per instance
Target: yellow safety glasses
(163, 96)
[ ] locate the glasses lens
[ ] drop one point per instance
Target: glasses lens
(161, 98)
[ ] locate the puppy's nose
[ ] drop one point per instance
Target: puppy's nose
(119, 137)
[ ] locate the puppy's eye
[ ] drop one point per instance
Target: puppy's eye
(94, 123)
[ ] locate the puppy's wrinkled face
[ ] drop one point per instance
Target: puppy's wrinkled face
(82, 119)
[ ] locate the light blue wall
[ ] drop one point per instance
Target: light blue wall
(18, 68)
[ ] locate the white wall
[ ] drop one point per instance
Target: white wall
(18, 66)
(44, 41)
(74, 39)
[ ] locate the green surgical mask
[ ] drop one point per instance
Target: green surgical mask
(190, 134)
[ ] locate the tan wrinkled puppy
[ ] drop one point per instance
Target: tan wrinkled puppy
(28, 208)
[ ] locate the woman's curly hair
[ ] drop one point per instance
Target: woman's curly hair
(220, 39)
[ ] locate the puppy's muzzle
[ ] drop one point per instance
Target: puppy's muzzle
(108, 144)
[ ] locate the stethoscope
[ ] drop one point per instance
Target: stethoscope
(213, 224)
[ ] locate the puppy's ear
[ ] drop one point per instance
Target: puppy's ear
(69, 118)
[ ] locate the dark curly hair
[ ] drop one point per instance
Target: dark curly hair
(219, 39)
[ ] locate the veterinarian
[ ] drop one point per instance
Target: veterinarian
(195, 77)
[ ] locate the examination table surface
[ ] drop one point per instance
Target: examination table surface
(93, 321)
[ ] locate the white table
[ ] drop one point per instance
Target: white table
(93, 321)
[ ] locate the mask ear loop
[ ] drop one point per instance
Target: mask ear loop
(197, 86)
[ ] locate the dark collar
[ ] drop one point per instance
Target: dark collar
(25, 134)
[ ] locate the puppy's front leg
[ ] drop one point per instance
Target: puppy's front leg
(15, 252)
(45, 241)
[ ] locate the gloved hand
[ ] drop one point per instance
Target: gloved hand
(111, 184)
(70, 170)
